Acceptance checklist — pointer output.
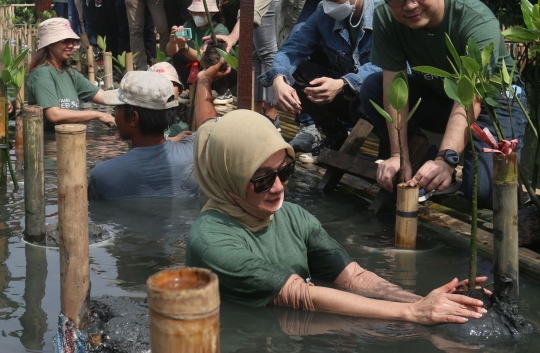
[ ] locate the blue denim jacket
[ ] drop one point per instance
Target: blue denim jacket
(348, 62)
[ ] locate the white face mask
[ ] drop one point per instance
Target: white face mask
(338, 11)
(200, 21)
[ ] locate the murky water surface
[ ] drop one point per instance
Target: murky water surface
(151, 235)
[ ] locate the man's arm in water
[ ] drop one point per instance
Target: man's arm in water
(204, 103)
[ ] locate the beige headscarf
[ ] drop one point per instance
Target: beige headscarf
(227, 154)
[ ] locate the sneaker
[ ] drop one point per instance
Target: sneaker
(184, 98)
(333, 142)
(224, 98)
(276, 122)
(306, 139)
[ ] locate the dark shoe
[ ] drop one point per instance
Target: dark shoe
(224, 98)
(306, 139)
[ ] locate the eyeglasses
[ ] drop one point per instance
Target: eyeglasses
(397, 3)
(265, 182)
(69, 41)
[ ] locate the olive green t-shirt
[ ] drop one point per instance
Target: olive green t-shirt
(49, 87)
(395, 44)
(253, 267)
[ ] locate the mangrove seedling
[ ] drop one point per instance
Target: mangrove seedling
(398, 96)
(160, 57)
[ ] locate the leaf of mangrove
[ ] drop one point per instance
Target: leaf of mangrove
(6, 76)
(496, 81)
(473, 51)
(19, 78)
(382, 112)
(534, 49)
(465, 92)
(521, 35)
(526, 9)
(471, 65)
(122, 60)
(101, 43)
(504, 74)
(135, 55)
(480, 90)
(487, 53)
(450, 88)
(536, 25)
(116, 60)
(19, 58)
(536, 12)
(398, 94)
(432, 71)
(7, 55)
(494, 103)
(492, 91)
(413, 109)
(14, 72)
(119, 69)
(453, 51)
(456, 72)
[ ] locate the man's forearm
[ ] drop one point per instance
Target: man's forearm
(235, 33)
(456, 134)
(204, 102)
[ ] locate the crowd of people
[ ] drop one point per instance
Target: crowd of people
(324, 61)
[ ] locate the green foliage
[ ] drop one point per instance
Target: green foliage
(230, 58)
(12, 74)
(160, 57)
(508, 12)
(102, 43)
(120, 62)
(25, 14)
(398, 94)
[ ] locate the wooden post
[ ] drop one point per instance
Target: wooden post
(245, 62)
(183, 305)
(73, 222)
(90, 56)
(108, 70)
(129, 61)
(4, 144)
(505, 227)
(34, 174)
(406, 216)
(79, 59)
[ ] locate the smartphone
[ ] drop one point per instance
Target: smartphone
(186, 33)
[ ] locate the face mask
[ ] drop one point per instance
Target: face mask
(338, 11)
(200, 21)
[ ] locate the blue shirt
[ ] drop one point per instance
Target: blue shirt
(164, 170)
(348, 61)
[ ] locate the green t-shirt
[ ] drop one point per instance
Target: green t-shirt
(198, 34)
(49, 87)
(395, 44)
(253, 267)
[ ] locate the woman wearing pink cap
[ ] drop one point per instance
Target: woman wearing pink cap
(53, 85)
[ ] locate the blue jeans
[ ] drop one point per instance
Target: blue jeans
(89, 11)
(432, 115)
(61, 9)
(265, 46)
(74, 17)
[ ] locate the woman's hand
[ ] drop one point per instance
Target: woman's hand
(441, 306)
(106, 119)
(180, 41)
(286, 97)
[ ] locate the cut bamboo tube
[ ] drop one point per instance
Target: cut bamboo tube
(79, 59)
(405, 273)
(34, 174)
(90, 56)
(3, 140)
(84, 40)
(30, 44)
(73, 222)
(108, 70)
(129, 61)
(406, 216)
(505, 226)
(183, 305)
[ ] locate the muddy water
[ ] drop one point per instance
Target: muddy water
(151, 235)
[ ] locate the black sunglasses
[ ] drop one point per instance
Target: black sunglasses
(265, 182)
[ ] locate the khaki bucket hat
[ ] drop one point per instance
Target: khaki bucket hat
(143, 89)
(54, 30)
(166, 70)
(198, 6)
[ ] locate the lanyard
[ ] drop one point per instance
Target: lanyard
(197, 37)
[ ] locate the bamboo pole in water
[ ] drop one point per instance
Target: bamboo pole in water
(129, 61)
(406, 216)
(183, 305)
(90, 57)
(4, 144)
(34, 174)
(505, 226)
(73, 222)
(108, 70)
(18, 120)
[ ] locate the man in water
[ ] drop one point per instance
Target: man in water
(145, 107)
(329, 94)
(413, 32)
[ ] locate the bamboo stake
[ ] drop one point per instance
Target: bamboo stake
(129, 61)
(405, 273)
(73, 222)
(90, 56)
(34, 174)
(406, 216)
(79, 61)
(3, 140)
(30, 44)
(183, 305)
(108, 70)
(505, 227)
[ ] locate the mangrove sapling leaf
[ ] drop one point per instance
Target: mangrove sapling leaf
(229, 58)
(119, 69)
(526, 9)
(413, 109)
(18, 79)
(453, 51)
(536, 25)
(383, 113)
(465, 92)
(198, 50)
(491, 91)
(494, 103)
(471, 66)
(536, 12)
(102, 43)
(456, 73)
(521, 35)
(432, 71)
(450, 88)
(7, 55)
(398, 94)
(473, 52)
(487, 54)
(504, 74)
(19, 58)
(6, 76)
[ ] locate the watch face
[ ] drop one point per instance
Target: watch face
(452, 157)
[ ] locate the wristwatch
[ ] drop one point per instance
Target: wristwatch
(346, 89)
(185, 48)
(451, 157)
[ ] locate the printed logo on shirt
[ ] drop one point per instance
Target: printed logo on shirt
(67, 103)
(427, 77)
